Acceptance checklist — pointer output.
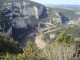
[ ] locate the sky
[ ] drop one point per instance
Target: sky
(58, 1)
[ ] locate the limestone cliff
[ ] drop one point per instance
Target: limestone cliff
(18, 13)
(26, 10)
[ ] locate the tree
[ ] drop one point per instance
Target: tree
(9, 45)
(64, 38)
(30, 52)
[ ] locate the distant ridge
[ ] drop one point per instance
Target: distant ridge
(63, 6)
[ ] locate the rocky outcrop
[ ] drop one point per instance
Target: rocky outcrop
(36, 11)
(19, 22)
(18, 13)
(25, 9)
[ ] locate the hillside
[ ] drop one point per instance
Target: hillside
(62, 16)
(72, 14)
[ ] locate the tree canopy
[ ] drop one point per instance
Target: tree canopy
(64, 38)
(8, 44)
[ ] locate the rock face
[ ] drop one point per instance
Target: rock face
(21, 12)
(9, 31)
(25, 9)
(18, 13)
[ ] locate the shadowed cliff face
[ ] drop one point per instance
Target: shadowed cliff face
(44, 13)
(64, 19)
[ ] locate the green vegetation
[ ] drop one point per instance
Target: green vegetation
(70, 13)
(8, 45)
(73, 30)
(12, 50)
(62, 48)
(65, 46)
(64, 38)
(33, 22)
